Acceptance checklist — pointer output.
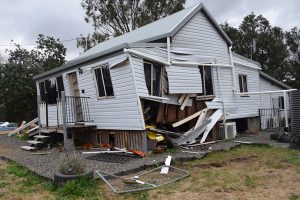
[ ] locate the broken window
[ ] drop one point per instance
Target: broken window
(51, 89)
(104, 83)
(60, 86)
(207, 82)
(153, 73)
(243, 83)
(281, 102)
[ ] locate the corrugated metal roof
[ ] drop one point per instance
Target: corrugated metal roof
(159, 29)
(270, 78)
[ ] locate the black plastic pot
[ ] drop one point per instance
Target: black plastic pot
(60, 179)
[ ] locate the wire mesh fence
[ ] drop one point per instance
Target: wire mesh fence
(272, 119)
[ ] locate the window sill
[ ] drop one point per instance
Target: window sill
(208, 97)
(109, 97)
(244, 96)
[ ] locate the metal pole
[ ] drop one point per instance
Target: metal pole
(285, 110)
(63, 110)
(39, 112)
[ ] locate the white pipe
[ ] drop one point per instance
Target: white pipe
(148, 57)
(285, 109)
(265, 92)
(168, 49)
(232, 69)
(221, 91)
(200, 64)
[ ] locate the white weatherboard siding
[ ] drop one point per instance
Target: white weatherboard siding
(247, 106)
(137, 65)
(202, 38)
(184, 79)
(52, 115)
(119, 112)
(237, 106)
(265, 100)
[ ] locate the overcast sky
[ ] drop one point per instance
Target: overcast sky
(23, 20)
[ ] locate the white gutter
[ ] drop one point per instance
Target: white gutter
(232, 69)
(148, 57)
(168, 49)
(200, 64)
(265, 92)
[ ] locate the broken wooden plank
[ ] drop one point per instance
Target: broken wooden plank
(181, 98)
(214, 119)
(201, 117)
(187, 119)
(190, 136)
(186, 99)
(23, 127)
(212, 142)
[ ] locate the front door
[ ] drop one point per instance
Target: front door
(75, 100)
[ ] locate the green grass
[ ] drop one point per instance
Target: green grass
(293, 197)
(243, 177)
(81, 187)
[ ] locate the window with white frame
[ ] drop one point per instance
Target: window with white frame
(207, 81)
(243, 83)
(103, 82)
(153, 73)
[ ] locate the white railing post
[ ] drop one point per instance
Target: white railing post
(39, 113)
(285, 110)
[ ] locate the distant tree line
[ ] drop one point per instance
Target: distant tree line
(17, 88)
(276, 50)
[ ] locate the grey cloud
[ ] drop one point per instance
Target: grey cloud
(23, 20)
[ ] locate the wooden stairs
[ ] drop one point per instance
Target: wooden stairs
(36, 143)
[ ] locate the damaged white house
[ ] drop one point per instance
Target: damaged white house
(177, 76)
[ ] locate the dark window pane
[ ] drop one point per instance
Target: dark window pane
(156, 80)
(240, 83)
(42, 91)
(51, 91)
(100, 85)
(107, 81)
(245, 83)
(202, 79)
(147, 71)
(60, 86)
(208, 81)
(281, 102)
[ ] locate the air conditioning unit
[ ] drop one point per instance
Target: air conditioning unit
(228, 130)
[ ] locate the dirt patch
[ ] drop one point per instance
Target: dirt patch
(220, 164)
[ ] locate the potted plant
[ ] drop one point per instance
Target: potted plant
(69, 169)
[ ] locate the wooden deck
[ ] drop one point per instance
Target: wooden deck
(59, 129)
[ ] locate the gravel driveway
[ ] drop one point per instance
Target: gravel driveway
(46, 165)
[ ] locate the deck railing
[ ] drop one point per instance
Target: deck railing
(77, 109)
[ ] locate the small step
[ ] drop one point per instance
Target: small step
(28, 148)
(41, 136)
(34, 142)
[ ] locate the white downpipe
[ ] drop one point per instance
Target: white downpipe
(221, 91)
(285, 109)
(168, 49)
(148, 57)
(232, 69)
